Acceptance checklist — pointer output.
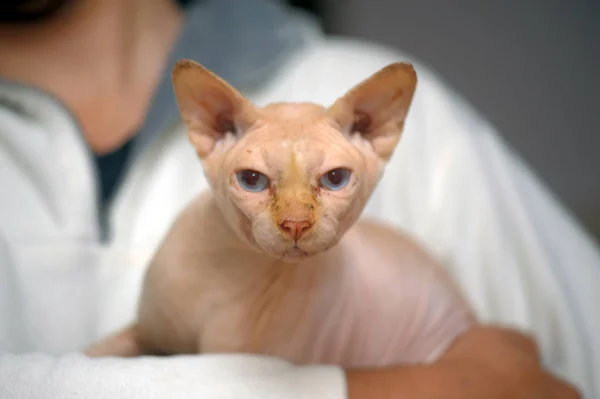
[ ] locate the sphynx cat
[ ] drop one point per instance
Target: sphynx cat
(273, 259)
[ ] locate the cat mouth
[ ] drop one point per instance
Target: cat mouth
(295, 252)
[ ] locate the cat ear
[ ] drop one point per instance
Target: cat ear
(210, 108)
(377, 107)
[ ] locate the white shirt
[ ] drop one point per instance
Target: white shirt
(518, 254)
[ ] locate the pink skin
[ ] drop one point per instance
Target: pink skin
(288, 270)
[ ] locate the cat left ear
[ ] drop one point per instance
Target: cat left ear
(209, 106)
(377, 107)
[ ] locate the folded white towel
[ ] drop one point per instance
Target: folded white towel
(38, 376)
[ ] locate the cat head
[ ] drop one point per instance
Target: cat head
(292, 178)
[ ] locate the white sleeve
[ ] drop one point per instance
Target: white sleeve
(520, 256)
(38, 376)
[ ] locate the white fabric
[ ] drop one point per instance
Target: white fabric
(182, 377)
(519, 256)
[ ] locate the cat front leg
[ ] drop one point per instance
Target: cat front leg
(124, 343)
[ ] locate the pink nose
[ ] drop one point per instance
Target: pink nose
(295, 228)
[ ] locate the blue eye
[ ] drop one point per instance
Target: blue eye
(251, 180)
(335, 179)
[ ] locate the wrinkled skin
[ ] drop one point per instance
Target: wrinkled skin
(287, 269)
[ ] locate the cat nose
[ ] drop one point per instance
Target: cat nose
(295, 228)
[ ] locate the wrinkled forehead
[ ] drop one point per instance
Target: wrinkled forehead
(283, 154)
(299, 153)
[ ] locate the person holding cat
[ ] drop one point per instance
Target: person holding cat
(96, 167)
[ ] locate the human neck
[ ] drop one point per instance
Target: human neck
(101, 58)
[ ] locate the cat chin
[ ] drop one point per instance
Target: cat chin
(294, 255)
(290, 253)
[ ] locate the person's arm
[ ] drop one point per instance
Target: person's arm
(486, 362)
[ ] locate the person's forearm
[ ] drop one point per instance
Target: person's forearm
(485, 362)
(389, 383)
(202, 377)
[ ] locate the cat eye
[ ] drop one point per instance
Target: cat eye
(251, 180)
(335, 179)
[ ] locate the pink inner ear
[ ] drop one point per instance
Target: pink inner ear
(381, 100)
(224, 124)
(362, 122)
(213, 108)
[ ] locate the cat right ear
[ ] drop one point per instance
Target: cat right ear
(210, 108)
(377, 107)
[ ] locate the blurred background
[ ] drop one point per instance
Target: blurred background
(530, 67)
